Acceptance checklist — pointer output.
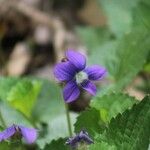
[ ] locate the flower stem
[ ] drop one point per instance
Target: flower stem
(68, 120)
(2, 120)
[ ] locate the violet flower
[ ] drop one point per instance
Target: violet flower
(81, 137)
(29, 134)
(75, 73)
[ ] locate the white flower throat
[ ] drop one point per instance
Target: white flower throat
(80, 77)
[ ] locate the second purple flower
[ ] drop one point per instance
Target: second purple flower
(75, 73)
(29, 134)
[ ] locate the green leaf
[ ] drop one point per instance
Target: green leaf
(100, 54)
(49, 109)
(90, 121)
(141, 15)
(57, 127)
(12, 116)
(146, 2)
(11, 146)
(5, 86)
(130, 130)
(133, 126)
(131, 48)
(23, 95)
(112, 104)
(93, 37)
(95, 119)
(4, 146)
(100, 45)
(119, 15)
(123, 64)
(49, 103)
(121, 57)
(57, 145)
(102, 146)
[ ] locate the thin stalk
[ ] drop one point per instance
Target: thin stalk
(68, 120)
(2, 120)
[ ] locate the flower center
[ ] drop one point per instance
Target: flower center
(81, 76)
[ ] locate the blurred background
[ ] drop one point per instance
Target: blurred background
(34, 35)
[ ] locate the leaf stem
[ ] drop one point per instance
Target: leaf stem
(68, 120)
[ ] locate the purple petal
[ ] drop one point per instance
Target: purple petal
(84, 136)
(89, 86)
(64, 71)
(95, 72)
(71, 91)
(73, 141)
(77, 59)
(29, 134)
(10, 131)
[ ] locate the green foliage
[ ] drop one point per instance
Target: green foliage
(5, 86)
(56, 128)
(57, 145)
(123, 63)
(49, 109)
(102, 146)
(112, 104)
(11, 146)
(124, 16)
(49, 103)
(141, 15)
(23, 95)
(93, 36)
(4, 146)
(20, 93)
(90, 121)
(45, 106)
(119, 15)
(130, 130)
(95, 119)
(100, 54)
(120, 47)
(131, 48)
(12, 116)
